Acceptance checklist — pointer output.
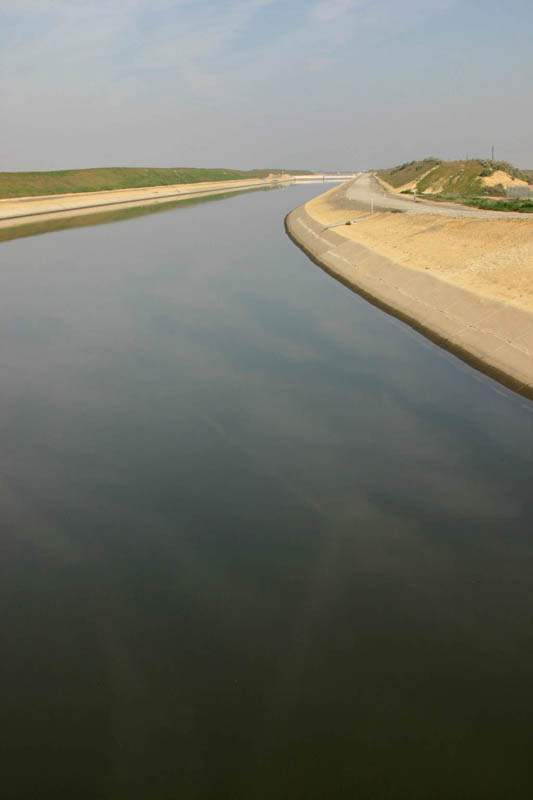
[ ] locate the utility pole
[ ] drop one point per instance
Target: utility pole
(493, 152)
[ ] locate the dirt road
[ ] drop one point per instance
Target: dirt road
(366, 191)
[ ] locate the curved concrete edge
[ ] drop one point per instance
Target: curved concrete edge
(494, 337)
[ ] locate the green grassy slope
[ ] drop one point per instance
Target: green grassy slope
(452, 178)
(31, 184)
(460, 181)
(410, 171)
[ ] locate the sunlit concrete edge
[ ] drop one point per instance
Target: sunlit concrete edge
(492, 336)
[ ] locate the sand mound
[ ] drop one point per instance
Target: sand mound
(504, 178)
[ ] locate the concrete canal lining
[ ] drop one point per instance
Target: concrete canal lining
(491, 335)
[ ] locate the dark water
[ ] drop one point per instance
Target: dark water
(259, 540)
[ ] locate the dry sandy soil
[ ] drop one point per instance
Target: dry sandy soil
(504, 178)
(492, 257)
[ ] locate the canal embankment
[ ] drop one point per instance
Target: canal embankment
(16, 211)
(465, 281)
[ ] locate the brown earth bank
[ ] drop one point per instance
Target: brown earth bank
(465, 282)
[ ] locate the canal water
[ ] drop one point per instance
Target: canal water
(259, 539)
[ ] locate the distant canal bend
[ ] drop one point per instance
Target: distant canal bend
(260, 540)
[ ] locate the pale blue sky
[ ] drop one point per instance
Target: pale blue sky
(322, 84)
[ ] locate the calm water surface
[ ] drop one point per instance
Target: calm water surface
(259, 540)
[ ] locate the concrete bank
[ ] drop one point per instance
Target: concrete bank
(492, 336)
(22, 210)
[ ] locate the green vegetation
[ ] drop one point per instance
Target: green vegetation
(463, 178)
(410, 171)
(490, 167)
(459, 181)
(32, 184)
(486, 203)
(459, 178)
(454, 177)
(525, 206)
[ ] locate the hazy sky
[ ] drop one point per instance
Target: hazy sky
(318, 84)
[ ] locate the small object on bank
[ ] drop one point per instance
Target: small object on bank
(346, 222)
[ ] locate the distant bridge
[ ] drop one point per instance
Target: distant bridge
(325, 177)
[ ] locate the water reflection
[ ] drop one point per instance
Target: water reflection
(260, 539)
(103, 215)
